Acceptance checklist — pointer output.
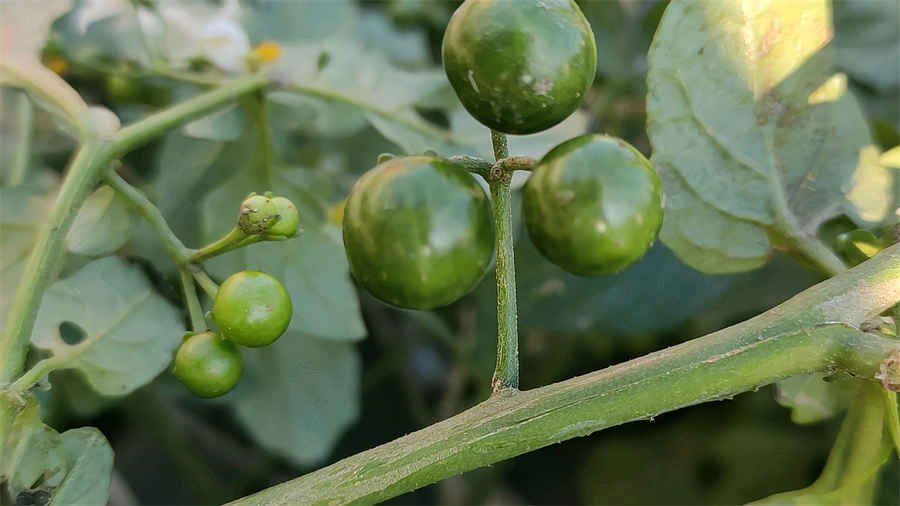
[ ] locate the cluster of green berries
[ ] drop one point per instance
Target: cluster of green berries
(251, 308)
(418, 230)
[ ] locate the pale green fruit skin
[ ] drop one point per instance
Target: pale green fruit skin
(252, 308)
(208, 365)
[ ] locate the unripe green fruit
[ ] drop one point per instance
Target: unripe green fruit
(252, 308)
(519, 66)
(418, 232)
(593, 205)
(207, 364)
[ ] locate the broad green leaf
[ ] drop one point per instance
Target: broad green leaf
(22, 213)
(103, 224)
(407, 47)
(33, 453)
(291, 22)
(312, 266)
(813, 397)
(90, 463)
(337, 84)
(72, 468)
(225, 125)
(648, 297)
(298, 395)
(752, 131)
(130, 331)
(867, 40)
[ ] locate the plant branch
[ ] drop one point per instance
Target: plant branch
(234, 239)
(506, 374)
(88, 165)
(180, 253)
(815, 331)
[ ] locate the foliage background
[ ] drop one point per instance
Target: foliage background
(353, 373)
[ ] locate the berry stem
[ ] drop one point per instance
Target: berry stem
(152, 214)
(506, 374)
(232, 240)
(206, 283)
(198, 322)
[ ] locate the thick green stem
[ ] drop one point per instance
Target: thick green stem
(506, 374)
(88, 165)
(152, 214)
(24, 121)
(198, 322)
(47, 251)
(814, 331)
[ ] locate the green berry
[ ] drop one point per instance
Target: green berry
(207, 364)
(252, 308)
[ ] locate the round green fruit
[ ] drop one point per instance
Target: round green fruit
(418, 232)
(519, 66)
(593, 205)
(123, 88)
(207, 364)
(252, 308)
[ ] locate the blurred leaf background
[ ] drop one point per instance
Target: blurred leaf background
(352, 373)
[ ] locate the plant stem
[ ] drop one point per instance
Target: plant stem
(46, 252)
(24, 121)
(714, 367)
(198, 322)
(152, 214)
(234, 239)
(506, 374)
(206, 283)
(90, 160)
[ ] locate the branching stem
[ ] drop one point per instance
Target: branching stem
(152, 214)
(506, 374)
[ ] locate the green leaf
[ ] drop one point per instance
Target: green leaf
(22, 212)
(287, 22)
(752, 132)
(337, 84)
(225, 125)
(298, 395)
(90, 461)
(813, 397)
(130, 331)
(867, 40)
(623, 305)
(103, 224)
(312, 266)
(73, 468)
(33, 453)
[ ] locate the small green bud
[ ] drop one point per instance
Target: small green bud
(288, 219)
(272, 217)
(258, 214)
